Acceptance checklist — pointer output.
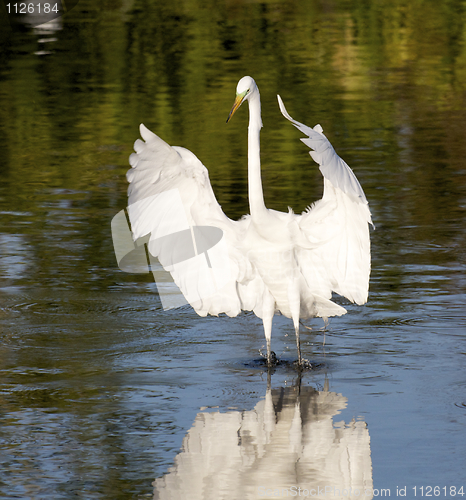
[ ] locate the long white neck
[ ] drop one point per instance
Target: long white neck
(256, 196)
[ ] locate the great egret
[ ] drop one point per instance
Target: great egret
(277, 262)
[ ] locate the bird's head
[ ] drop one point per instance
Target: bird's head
(245, 89)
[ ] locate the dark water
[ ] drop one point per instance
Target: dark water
(102, 391)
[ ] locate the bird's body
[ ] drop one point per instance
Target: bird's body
(270, 261)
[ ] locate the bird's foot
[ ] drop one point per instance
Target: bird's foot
(271, 360)
(305, 326)
(305, 364)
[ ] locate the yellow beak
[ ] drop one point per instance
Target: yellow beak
(238, 101)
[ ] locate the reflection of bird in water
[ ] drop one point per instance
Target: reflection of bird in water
(276, 261)
(288, 441)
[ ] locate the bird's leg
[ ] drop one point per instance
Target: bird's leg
(271, 357)
(295, 307)
(268, 310)
(298, 345)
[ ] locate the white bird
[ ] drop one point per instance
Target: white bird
(277, 262)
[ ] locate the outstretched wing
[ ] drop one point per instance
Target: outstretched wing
(171, 198)
(337, 226)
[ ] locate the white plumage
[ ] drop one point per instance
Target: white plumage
(268, 261)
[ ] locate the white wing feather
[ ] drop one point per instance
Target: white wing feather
(159, 169)
(330, 241)
(337, 226)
